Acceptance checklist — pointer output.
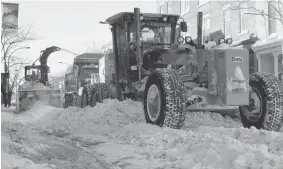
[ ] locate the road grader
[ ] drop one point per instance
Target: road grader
(180, 75)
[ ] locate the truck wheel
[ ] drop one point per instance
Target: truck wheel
(265, 109)
(84, 99)
(113, 91)
(105, 91)
(93, 99)
(64, 104)
(99, 93)
(95, 96)
(164, 99)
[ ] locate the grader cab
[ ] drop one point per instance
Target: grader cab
(145, 51)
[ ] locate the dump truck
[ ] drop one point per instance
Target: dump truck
(181, 73)
(79, 80)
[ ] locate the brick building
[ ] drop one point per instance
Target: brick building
(239, 24)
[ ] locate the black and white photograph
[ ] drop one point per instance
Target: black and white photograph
(142, 84)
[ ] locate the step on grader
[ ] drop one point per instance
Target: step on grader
(182, 77)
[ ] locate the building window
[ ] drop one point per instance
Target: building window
(205, 27)
(272, 13)
(243, 17)
(227, 22)
(161, 6)
(185, 6)
(162, 9)
(169, 6)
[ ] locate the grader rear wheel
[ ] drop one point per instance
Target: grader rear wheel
(164, 99)
(265, 110)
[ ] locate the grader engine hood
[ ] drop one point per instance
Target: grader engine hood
(168, 56)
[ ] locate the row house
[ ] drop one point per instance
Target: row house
(238, 19)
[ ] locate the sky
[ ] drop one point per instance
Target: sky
(72, 25)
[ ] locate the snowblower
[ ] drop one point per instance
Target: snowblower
(36, 86)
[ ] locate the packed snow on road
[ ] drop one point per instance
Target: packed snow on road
(114, 135)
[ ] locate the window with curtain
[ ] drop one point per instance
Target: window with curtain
(185, 6)
(162, 9)
(205, 27)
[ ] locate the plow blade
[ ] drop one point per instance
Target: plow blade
(211, 104)
(27, 98)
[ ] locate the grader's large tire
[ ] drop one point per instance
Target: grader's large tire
(265, 110)
(164, 99)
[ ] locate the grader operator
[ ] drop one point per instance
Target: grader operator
(222, 76)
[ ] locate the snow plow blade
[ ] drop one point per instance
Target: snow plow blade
(26, 98)
(211, 104)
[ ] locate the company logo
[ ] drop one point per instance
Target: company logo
(237, 59)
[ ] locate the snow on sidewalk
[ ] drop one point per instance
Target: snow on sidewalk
(36, 113)
(207, 140)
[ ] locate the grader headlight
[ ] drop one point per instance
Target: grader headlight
(180, 39)
(221, 41)
(188, 39)
(164, 19)
(229, 41)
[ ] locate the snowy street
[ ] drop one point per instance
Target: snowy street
(114, 135)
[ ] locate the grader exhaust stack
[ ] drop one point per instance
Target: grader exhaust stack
(138, 51)
(199, 29)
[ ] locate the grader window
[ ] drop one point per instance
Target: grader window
(156, 34)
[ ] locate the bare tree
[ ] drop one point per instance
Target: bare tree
(16, 71)
(12, 40)
(274, 8)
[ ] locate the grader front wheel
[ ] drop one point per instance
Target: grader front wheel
(164, 99)
(265, 109)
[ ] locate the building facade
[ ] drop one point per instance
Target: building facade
(239, 19)
(225, 16)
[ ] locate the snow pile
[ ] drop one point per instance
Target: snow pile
(203, 143)
(9, 161)
(197, 119)
(36, 113)
(204, 149)
(34, 86)
(100, 119)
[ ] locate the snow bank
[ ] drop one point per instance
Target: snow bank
(207, 140)
(204, 148)
(9, 161)
(37, 112)
(100, 119)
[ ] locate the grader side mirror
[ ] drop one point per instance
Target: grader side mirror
(183, 26)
